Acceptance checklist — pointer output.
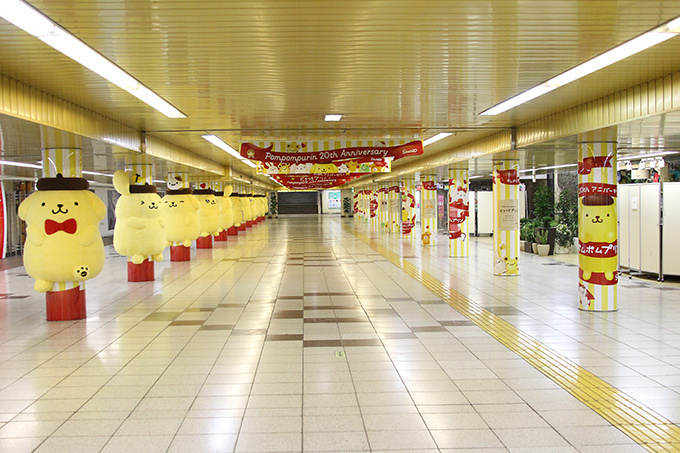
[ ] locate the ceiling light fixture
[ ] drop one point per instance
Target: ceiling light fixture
(42, 27)
(618, 53)
(644, 156)
(221, 144)
(96, 173)
(19, 164)
(436, 138)
(332, 118)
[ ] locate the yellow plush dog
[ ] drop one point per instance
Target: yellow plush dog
(208, 212)
(139, 230)
(181, 222)
(226, 215)
(63, 243)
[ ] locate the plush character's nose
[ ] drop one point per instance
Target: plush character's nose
(60, 205)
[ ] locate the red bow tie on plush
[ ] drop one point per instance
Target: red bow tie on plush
(69, 226)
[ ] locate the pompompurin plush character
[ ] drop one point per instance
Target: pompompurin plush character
(179, 208)
(63, 243)
(208, 211)
(140, 227)
(226, 215)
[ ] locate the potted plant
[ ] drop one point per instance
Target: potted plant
(563, 238)
(273, 205)
(526, 233)
(567, 214)
(347, 207)
(544, 214)
(542, 247)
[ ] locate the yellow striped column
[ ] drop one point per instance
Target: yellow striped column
(408, 208)
(382, 208)
(459, 210)
(597, 221)
(394, 208)
(428, 211)
(506, 217)
(373, 205)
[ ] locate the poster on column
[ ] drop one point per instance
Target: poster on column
(429, 208)
(508, 214)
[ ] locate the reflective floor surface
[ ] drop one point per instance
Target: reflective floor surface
(314, 333)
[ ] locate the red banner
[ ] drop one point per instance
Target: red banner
(429, 185)
(598, 249)
(510, 177)
(596, 188)
(253, 152)
(585, 167)
(325, 181)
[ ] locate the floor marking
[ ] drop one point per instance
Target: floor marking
(649, 429)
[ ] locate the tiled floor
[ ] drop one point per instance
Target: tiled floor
(300, 336)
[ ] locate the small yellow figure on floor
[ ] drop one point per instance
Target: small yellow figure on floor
(425, 237)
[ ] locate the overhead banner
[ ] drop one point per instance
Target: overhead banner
(314, 181)
(328, 151)
(372, 165)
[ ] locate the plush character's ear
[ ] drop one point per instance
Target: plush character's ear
(25, 206)
(98, 205)
(228, 190)
(194, 202)
(121, 182)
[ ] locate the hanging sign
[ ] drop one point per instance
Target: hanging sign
(370, 165)
(313, 181)
(317, 152)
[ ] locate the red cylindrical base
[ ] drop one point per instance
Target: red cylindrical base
(249, 223)
(222, 237)
(242, 227)
(180, 253)
(67, 305)
(204, 243)
(143, 272)
(232, 231)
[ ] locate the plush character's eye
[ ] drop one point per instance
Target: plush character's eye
(181, 201)
(607, 215)
(207, 201)
(586, 215)
(75, 203)
(142, 202)
(43, 204)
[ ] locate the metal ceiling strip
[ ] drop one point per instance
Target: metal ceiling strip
(25, 102)
(498, 142)
(653, 97)
(161, 149)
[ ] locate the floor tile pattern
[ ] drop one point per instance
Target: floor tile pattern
(299, 336)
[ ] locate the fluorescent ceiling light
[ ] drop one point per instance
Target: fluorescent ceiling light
(20, 164)
(436, 138)
(332, 118)
(96, 173)
(644, 156)
(215, 140)
(618, 53)
(37, 24)
(548, 168)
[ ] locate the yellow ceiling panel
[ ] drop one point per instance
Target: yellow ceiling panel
(271, 70)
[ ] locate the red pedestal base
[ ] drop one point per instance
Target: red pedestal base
(232, 231)
(180, 253)
(143, 272)
(249, 223)
(67, 305)
(204, 243)
(222, 237)
(242, 227)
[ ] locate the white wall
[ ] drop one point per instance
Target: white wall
(331, 202)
